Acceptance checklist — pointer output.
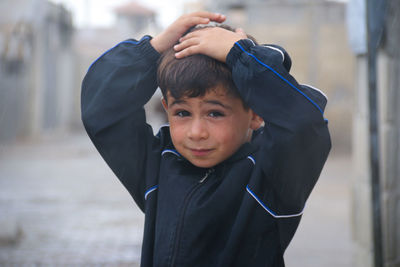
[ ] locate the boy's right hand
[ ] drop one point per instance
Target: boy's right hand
(170, 36)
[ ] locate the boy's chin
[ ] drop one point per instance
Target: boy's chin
(206, 164)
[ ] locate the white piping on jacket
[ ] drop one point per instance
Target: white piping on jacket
(152, 189)
(170, 151)
(268, 210)
(276, 49)
(316, 89)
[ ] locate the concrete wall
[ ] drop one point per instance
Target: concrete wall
(361, 215)
(37, 69)
(388, 82)
(389, 94)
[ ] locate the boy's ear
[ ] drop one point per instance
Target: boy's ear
(164, 103)
(256, 121)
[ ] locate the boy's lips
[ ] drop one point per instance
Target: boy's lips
(199, 152)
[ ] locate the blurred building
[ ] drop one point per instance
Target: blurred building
(385, 37)
(36, 69)
(133, 20)
(44, 59)
(314, 34)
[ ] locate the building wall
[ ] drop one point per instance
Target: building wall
(361, 216)
(389, 94)
(36, 69)
(388, 83)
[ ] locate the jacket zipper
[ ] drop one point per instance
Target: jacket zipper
(182, 216)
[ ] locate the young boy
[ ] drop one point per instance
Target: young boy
(217, 189)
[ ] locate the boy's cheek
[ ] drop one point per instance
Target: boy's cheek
(177, 133)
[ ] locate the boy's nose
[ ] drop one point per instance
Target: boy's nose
(198, 130)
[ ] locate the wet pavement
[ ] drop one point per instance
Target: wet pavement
(60, 205)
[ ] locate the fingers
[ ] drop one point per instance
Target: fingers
(213, 42)
(191, 50)
(201, 17)
(186, 43)
(171, 34)
(210, 15)
(193, 21)
(190, 35)
(241, 32)
(189, 45)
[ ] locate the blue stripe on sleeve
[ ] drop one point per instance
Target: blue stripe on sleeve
(280, 76)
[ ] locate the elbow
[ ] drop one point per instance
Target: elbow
(89, 119)
(87, 123)
(311, 136)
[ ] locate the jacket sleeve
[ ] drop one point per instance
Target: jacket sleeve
(114, 91)
(295, 141)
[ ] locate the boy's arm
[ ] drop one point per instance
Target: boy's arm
(114, 91)
(295, 142)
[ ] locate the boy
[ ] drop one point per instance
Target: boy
(216, 188)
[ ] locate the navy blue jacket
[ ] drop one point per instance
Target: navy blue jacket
(245, 210)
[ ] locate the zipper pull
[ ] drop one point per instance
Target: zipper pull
(206, 175)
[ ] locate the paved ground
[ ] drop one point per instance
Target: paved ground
(61, 206)
(323, 238)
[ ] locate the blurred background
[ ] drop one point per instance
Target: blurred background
(61, 205)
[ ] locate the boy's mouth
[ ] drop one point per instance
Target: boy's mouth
(200, 152)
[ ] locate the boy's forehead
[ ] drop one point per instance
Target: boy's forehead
(219, 92)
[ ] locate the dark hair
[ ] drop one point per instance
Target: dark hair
(195, 75)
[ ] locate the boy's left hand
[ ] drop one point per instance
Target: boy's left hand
(214, 42)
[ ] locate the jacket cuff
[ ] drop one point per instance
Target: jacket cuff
(236, 51)
(147, 49)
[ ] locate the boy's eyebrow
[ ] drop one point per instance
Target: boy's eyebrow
(213, 102)
(177, 101)
(216, 102)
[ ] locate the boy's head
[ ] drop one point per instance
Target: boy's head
(195, 75)
(208, 119)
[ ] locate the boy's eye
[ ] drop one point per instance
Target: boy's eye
(182, 113)
(215, 114)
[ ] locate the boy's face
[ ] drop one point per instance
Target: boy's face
(208, 129)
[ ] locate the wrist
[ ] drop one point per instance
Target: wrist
(157, 44)
(147, 50)
(239, 47)
(229, 47)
